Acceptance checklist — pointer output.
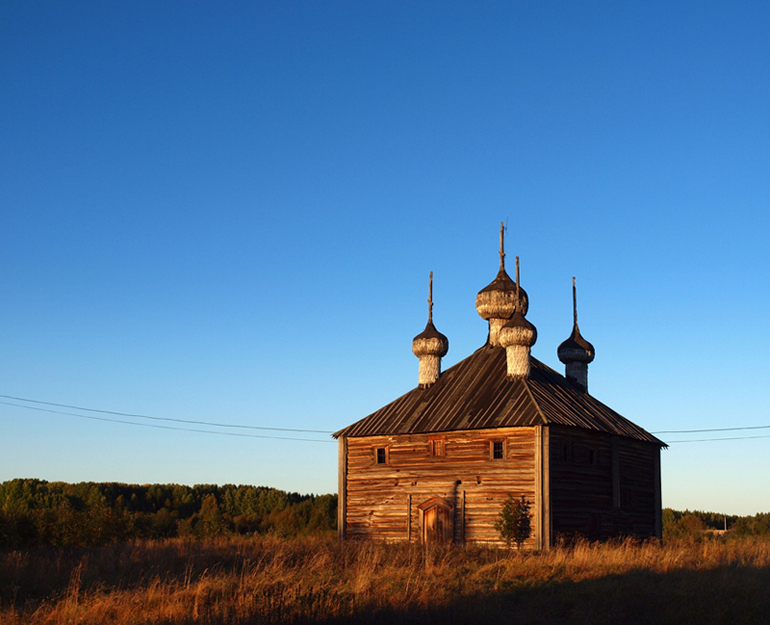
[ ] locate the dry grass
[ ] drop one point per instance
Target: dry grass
(268, 580)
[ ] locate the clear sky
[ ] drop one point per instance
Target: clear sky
(227, 212)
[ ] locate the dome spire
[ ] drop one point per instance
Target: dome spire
(518, 336)
(430, 299)
(574, 302)
(502, 247)
(497, 301)
(430, 346)
(518, 284)
(576, 352)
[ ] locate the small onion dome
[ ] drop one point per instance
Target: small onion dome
(576, 349)
(518, 331)
(498, 299)
(430, 342)
(517, 336)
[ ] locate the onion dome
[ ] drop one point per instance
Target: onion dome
(430, 346)
(576, 349)
(497, 301)
(517, 336)
(518, 332)
(430, 342)
(576, 352)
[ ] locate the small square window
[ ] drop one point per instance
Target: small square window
(437, 449)
(382, 457)
(497, 450)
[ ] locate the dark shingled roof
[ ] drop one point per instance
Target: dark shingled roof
(477, 394)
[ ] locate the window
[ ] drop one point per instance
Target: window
(437, 447)
(381, 455)
(497, 450)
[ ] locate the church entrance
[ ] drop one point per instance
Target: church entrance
(437, 521)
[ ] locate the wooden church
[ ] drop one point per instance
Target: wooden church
(438, 463)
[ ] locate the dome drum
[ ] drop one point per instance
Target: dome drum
(429, 371)
(517, 337)
(577, 372)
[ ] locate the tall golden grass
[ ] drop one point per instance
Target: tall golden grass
(316, 580)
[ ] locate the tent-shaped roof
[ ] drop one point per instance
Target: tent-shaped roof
(477, 394)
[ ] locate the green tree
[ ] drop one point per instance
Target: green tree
(514, 522)
(210, 521)
(692, 524)
(163, 524)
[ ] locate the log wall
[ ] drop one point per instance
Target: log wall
(578, 483)
(639, 492)
(383, 500)
(602, 486)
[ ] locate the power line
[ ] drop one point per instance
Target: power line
(165, 427)
(729, 438)
(141, 416)
(298, 430)
(748, 427)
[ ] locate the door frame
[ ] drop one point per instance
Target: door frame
(437, 502)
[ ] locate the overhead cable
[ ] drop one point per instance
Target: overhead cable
(141, 416)
(729, 438)
(747, 427)
(167, 427)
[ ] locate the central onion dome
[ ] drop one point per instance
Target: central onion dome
(497, 301)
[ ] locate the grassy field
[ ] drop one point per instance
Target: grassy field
(269, 580)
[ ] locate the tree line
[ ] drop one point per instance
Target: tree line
(677, 523)
(40, 513)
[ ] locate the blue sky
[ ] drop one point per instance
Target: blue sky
(228, 213)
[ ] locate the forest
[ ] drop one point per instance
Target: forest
(680, 524)
(36, 513)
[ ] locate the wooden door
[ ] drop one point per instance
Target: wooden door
(437, 525)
